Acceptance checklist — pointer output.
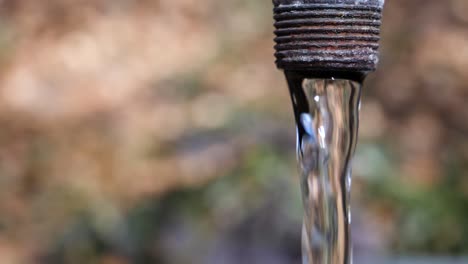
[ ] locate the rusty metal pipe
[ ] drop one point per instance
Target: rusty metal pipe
(328, 38)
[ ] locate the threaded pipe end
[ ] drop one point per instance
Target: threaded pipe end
(320, 36)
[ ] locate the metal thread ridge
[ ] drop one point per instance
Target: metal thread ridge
(327, 37)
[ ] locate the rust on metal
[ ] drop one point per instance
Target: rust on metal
(327, 35)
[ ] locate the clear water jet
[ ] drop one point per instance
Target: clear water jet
(326, 48)
(327, 119)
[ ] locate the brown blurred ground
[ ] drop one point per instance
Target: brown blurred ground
(161, 132)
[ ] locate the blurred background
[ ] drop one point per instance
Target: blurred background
(159, 131)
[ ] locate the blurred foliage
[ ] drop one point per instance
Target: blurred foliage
(428, 218)
(199, 225)
(159, 131)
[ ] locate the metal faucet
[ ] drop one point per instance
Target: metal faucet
(328, 38)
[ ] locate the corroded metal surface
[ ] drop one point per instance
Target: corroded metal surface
(333, 35)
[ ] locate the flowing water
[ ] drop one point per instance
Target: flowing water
(327, 119)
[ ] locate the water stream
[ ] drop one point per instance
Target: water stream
(327, 118)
